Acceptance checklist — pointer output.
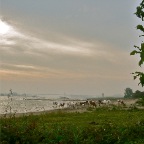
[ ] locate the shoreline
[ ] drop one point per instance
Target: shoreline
(128, 102)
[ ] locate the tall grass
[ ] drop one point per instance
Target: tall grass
(102, 126)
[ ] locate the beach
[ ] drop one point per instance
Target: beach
(26, 105)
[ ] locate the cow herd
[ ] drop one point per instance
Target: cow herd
(86, 103)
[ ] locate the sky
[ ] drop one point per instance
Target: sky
(68, 46)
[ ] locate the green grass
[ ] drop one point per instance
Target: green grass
(100, 126)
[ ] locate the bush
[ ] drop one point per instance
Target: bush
(140, 102)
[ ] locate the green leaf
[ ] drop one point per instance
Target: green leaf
(135, 77)
(142, 47)
(137, 47)
(142, 80)
(138, 73)
(140, 27)
(134, 52)
(142, 56)
(140, 62)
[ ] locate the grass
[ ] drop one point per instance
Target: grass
(100, 126)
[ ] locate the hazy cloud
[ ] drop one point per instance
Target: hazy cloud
(75, 46)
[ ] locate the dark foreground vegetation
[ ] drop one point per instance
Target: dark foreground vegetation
(100, 126)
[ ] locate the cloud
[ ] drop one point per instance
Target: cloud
(27, 55)
(7, 33)
(45, 46)
(12, 38)
(12, 71)
(4, 28)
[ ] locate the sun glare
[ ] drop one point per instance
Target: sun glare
(4, 28)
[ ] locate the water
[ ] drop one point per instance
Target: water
(25, 104)
(19, 104)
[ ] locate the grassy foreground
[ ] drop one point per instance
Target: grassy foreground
(100, 126)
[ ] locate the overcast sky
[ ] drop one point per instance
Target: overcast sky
(71, 46)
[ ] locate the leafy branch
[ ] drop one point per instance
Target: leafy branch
(139, 50)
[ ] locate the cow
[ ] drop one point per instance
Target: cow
(84, 103)
(106, 102)
(121, 102)
(92, 103)
(55, 104)
(71, 105)
(62, 105)
(100, 102)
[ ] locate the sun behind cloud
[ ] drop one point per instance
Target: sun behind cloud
(4, 28)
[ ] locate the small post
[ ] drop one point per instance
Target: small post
(11, 93)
